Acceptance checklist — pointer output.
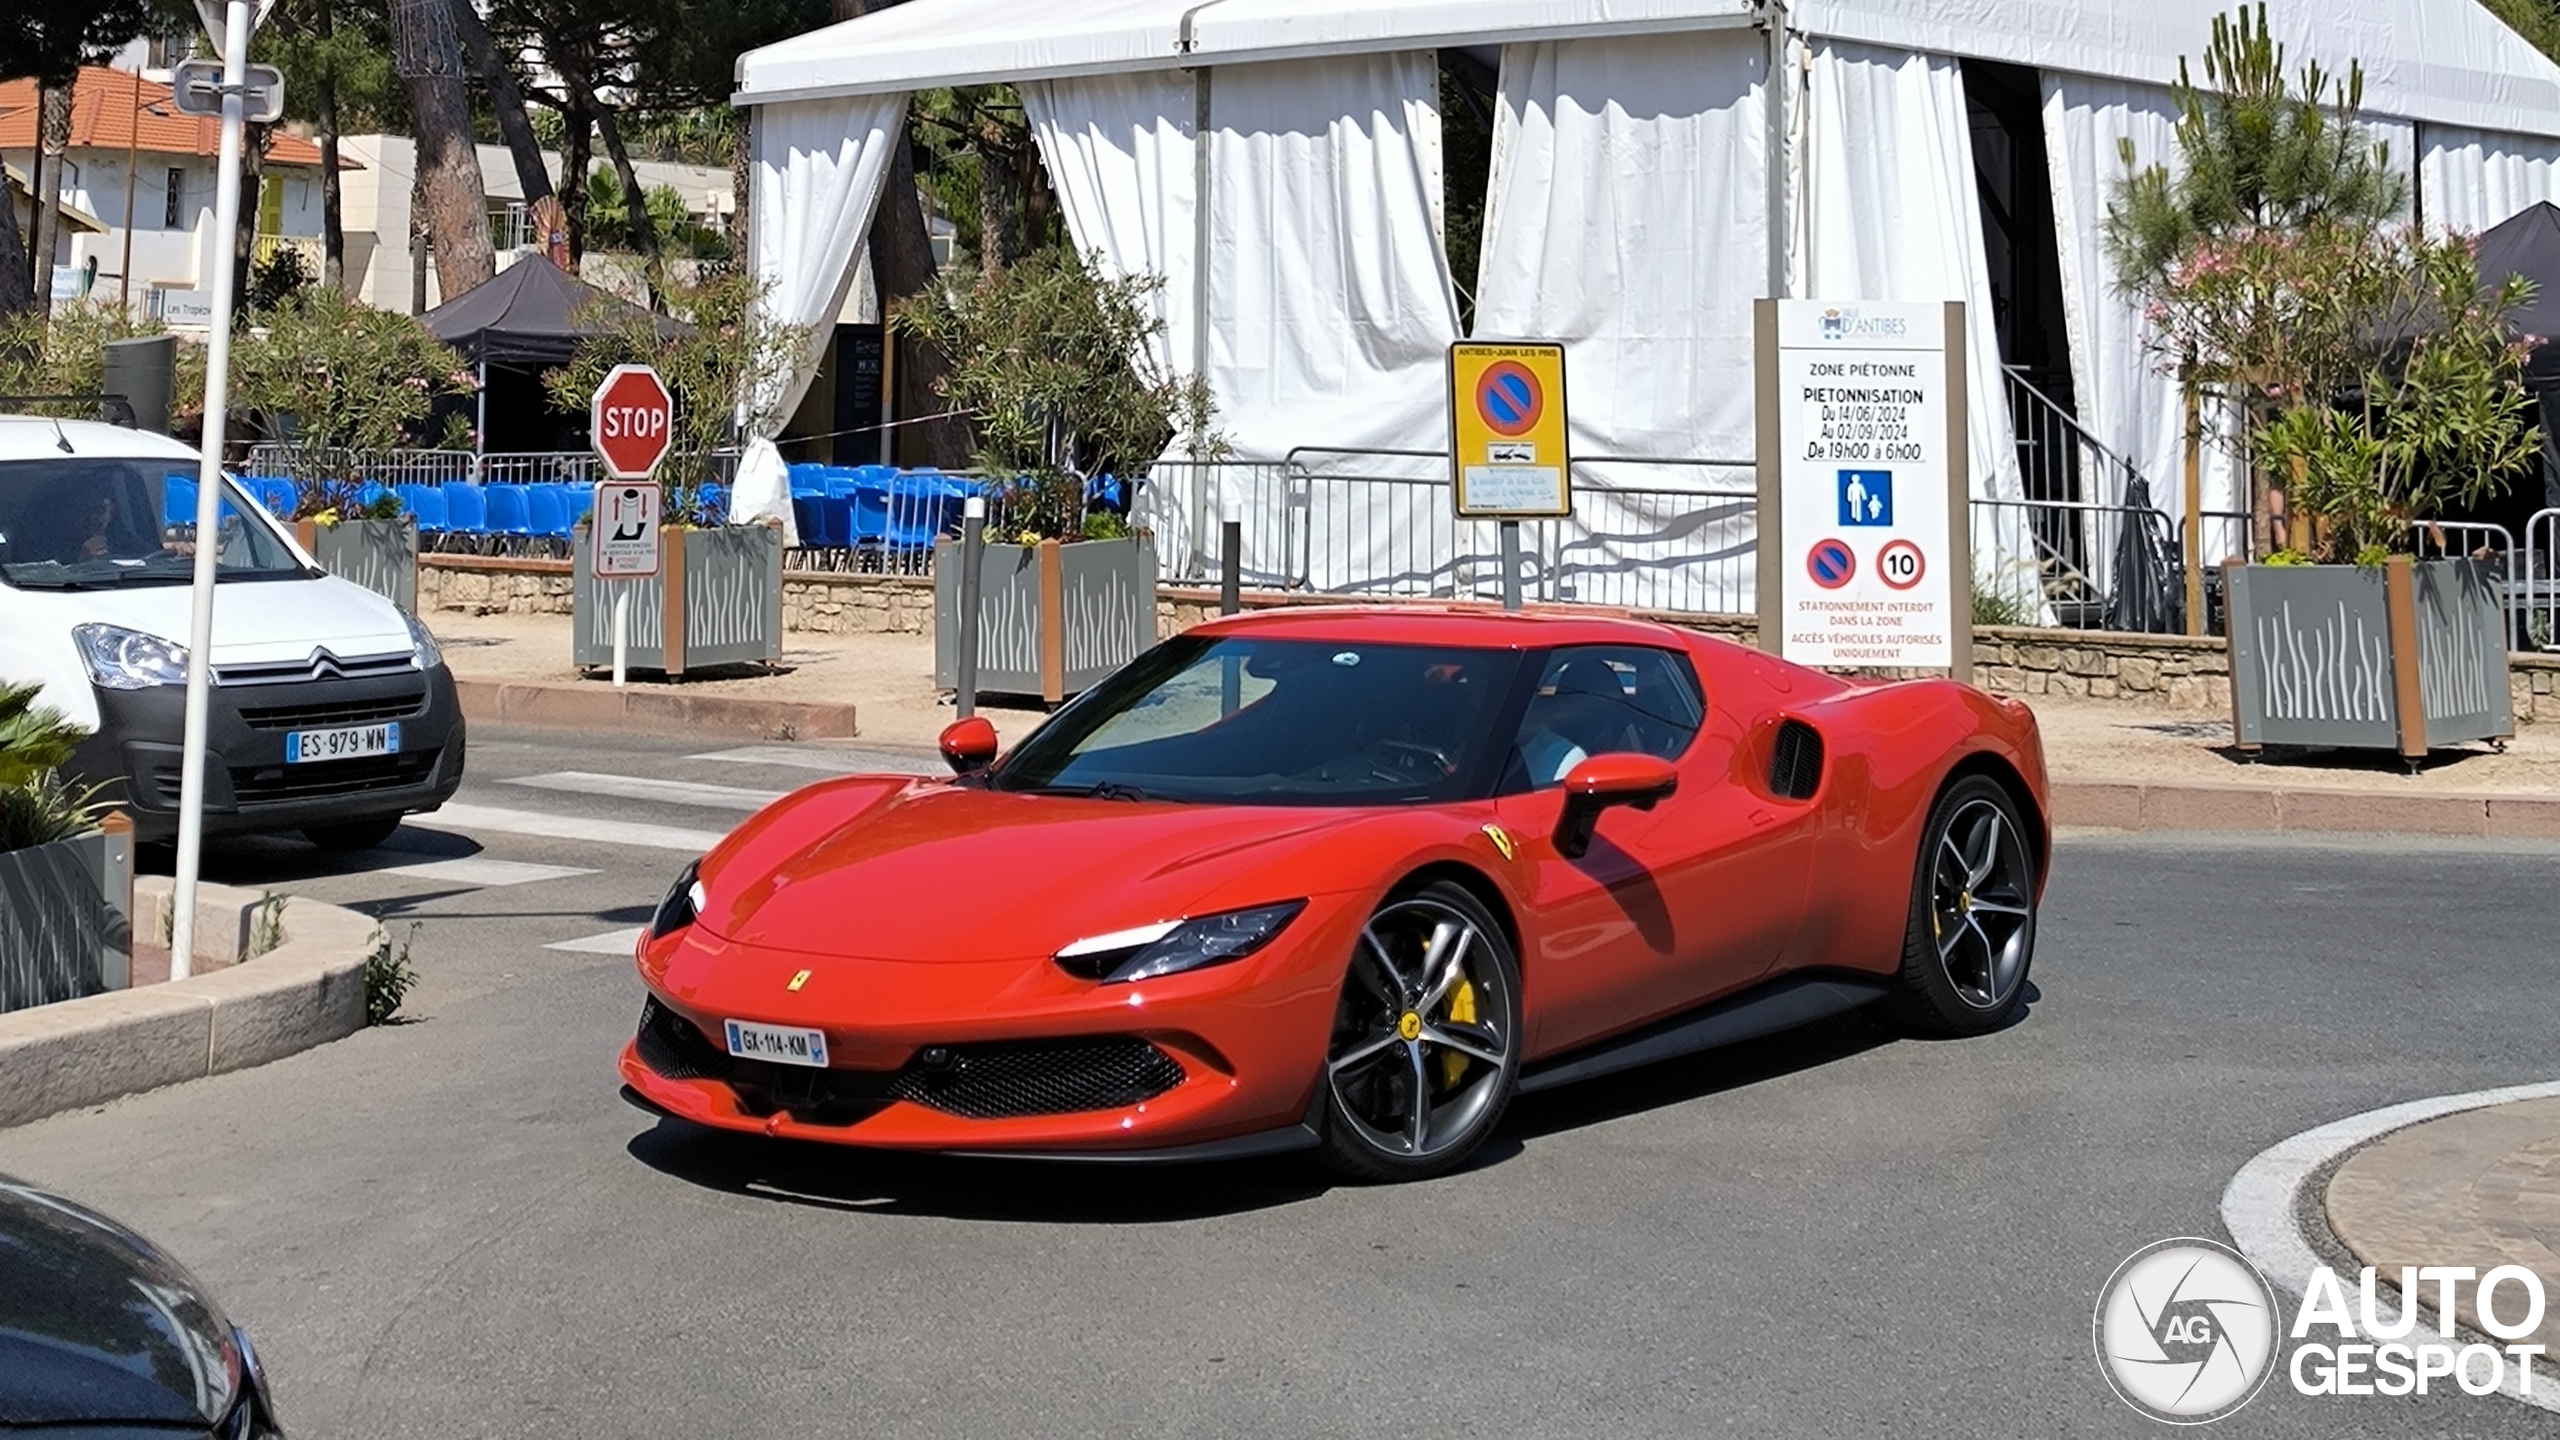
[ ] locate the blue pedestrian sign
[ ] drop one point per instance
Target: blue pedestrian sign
(1866, 497)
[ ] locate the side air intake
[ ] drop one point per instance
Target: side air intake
(1795, 768)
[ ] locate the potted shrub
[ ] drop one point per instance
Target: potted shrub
(717, 596)
(1053, 365)
(341, 382)
(2378, 383)
(65, 883)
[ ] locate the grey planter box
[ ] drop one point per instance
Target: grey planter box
(380, 555)
(1053, 619)
(716, 600)
(2405, 656)
(64, 926)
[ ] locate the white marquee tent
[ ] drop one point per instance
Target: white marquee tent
(1279, 165)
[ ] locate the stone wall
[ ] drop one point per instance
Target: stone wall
(2170, 672)
(492, 585)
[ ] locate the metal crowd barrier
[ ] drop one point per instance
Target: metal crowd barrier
(2538, 601)
(2494, 546)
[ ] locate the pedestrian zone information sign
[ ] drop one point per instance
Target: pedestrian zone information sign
(1868, 470)
(1507, 431)
(626, 530)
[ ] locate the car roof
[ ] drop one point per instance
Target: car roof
(35, 437)
(1458, 625)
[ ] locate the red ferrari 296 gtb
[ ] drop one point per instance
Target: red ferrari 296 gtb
(1347, 879)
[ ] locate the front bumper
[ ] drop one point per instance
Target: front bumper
(136, 753)
(1014, 1058)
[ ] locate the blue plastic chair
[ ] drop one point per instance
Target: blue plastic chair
(715, 504)
(425, 505)
(178, 502)
(866, 512)
(466, 509)
(547, 512)
(510, 517)
(582, 503)
(807, 478)
(808, 516)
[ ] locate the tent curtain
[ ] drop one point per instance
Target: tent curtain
(2125, 398)
(1329, 305)
(2469, 180)
(1891, 214)
(1628, 216)
(1119, 151)
(820, 168)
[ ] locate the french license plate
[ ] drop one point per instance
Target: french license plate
(783, 1046)
(351, 743)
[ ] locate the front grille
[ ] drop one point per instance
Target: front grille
(1043, 1077)
(318, 780)
(975, 1082)
(336, 712)
(1795, 770)
(321, 665)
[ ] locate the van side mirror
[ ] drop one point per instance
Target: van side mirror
(968, 746)
(1601, 782)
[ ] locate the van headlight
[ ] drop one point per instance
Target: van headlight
(121, 659)
(422, 645)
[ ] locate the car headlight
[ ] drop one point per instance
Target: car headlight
(1173, 946)
(422, 646)
(683, 905)
(121, 659)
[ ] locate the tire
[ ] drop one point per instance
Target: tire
(1426, 1038)
(1972, 931)
(353, 834)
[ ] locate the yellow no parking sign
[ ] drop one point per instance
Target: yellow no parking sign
(1507, 431)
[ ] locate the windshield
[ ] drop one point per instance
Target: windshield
(1276, 722)
(79, 522)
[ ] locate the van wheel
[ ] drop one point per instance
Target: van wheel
(353, 835)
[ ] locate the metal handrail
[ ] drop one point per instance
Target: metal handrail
(2079, 432)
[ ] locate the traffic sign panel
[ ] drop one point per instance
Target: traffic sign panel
(626, 531)
(1831, 563)
(632, 422)
(1507, 430)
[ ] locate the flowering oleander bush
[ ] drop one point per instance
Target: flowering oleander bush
(340, 380)
(2378, 375)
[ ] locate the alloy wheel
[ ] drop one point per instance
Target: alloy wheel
(1981, 905)
(1422, 1041)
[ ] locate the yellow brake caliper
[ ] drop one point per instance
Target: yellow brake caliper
(1462, 1011)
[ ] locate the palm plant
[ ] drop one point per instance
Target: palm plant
(37, 806)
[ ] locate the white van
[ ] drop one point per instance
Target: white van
(332, 712)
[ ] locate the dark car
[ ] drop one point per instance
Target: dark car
(104, 1337)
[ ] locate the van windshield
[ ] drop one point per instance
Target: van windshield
(81, 523)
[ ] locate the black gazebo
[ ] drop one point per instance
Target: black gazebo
(530, 318)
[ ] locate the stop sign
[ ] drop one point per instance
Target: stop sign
(632, 421)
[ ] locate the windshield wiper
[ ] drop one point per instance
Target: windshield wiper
(1098, 790)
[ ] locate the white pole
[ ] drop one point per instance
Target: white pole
(621, 632)
(217, 381)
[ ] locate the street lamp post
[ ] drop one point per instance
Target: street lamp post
(238, 23)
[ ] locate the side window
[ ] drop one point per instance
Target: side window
(1604, 699)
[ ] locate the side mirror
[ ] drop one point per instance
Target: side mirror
(1603, 781)
(968, 746)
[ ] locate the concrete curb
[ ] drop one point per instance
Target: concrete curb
(651, 708)
(2270, 809)
(307, 991)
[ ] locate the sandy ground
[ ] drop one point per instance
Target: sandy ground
(889, 681)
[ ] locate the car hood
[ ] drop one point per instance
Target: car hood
(97, 1326)
(897, 870)
(255, 622)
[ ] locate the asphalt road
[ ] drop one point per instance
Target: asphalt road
(454, 1226)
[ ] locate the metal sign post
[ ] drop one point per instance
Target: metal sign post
(627, 539)
(1508, 456)
(1866, 559)
(237, 25)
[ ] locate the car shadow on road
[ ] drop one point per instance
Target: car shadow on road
(890, 1182)
(831, 1177)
